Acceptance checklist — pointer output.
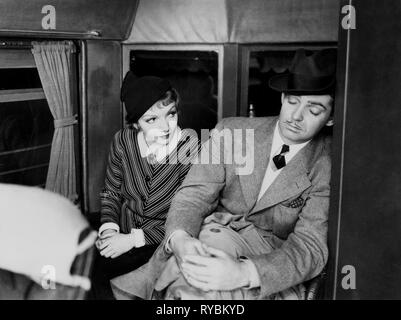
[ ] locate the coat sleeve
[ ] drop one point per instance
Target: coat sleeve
(304, 254)
(198, 195)
(111, 195)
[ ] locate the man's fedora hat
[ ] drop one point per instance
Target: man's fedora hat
(308, 74)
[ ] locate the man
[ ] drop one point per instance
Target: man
(258, 235)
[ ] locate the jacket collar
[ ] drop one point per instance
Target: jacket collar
(292, 180)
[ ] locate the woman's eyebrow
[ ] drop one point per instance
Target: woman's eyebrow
(172, 108)
(149, 115)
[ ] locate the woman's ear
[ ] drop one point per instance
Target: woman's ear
(135, 125)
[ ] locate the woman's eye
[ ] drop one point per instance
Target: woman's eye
(151, 120)
(173, 114)
(292, 101)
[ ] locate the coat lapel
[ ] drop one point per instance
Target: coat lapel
(292, 180)
(251, 183)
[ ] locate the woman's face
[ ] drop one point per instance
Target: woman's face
(159, 123)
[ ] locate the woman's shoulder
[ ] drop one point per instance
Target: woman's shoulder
(124, 134)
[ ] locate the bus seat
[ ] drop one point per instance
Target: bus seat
(16, 286)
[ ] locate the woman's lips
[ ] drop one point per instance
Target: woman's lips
(163, 138)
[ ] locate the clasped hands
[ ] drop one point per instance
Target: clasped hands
(207, 268)
(112, 244)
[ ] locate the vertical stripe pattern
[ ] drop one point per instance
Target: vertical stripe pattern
(138, 194)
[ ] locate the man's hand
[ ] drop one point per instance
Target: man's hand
(116, 245)
(183, 244)
(219, 271)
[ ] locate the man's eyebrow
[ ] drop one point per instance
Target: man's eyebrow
(318, 103)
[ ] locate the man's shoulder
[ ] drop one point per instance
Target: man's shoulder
(245, 122)
(325, 142)
(321, 155)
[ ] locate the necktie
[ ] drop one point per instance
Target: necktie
(279, 160)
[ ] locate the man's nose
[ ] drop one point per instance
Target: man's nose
(297, 115)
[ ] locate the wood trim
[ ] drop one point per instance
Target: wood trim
(16, 59)
(42, 146)
(230, 81)
(43, 165)
(339, 132)
(21, 95)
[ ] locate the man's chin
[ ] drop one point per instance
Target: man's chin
(292, 137)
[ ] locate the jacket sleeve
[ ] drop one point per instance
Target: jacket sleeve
(198, 195)
(304, 254)
(111, 195)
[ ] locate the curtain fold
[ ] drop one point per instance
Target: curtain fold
(54, 63)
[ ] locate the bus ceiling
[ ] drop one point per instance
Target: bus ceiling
(173, 21)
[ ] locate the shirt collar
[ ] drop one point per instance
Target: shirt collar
(159, 150)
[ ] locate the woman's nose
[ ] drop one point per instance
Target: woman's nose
(164, 126)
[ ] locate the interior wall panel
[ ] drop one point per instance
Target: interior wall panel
(104, 111)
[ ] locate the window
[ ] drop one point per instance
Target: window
(26, 123)
(193, 74)
(260, 64)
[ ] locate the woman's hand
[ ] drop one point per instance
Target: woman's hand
(116, 245)
(104, 235)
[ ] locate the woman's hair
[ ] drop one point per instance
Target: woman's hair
(171, 96)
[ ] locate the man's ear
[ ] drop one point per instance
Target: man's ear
(282, 97)
(330, 122)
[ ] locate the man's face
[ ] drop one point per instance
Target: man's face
(302, 117)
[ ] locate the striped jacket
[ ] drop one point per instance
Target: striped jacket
(137, 194)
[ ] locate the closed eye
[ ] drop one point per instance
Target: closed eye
(315, 110)
(292, 100)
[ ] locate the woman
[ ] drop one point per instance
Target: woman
(147, 163)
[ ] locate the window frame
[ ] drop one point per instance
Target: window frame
(178, 47)
(246, 51)
(17, 55)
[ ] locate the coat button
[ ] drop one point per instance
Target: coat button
(147, 178)
(143, 198)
